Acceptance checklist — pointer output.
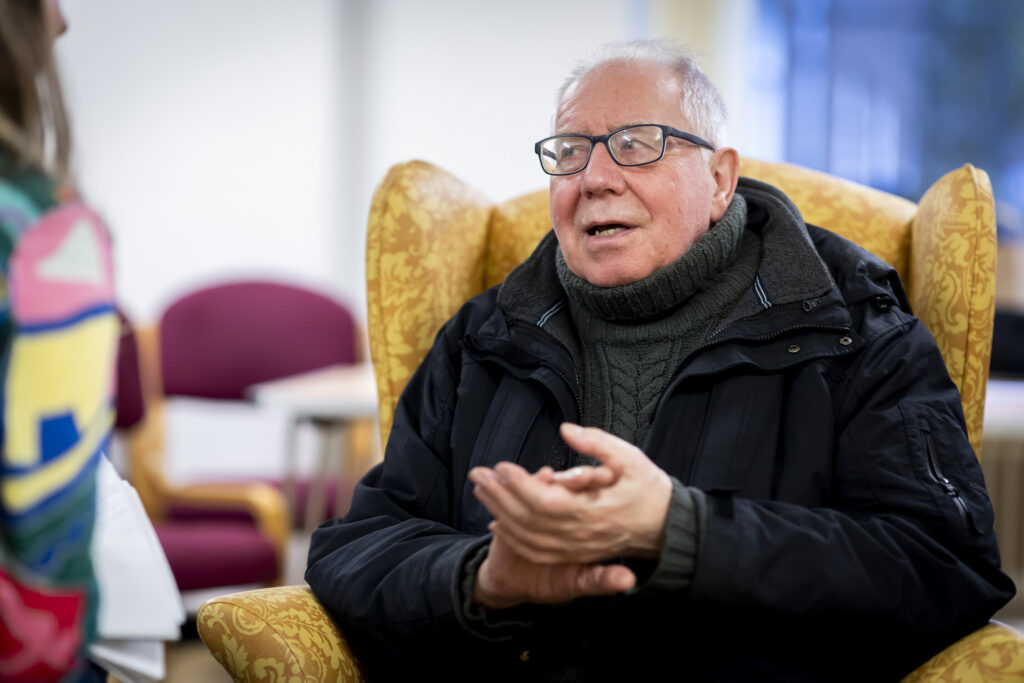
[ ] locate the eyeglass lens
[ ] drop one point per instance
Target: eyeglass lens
(634, 146)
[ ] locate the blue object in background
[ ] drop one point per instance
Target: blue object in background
(895, 94)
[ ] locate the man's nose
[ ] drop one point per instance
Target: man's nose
(601, 173)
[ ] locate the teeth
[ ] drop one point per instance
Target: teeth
(611, 230)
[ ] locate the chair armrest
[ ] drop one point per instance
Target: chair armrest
(278, 634)
(264, 503)
(286, 631)
(990, 654)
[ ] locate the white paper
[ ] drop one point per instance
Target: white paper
(131, 661)
(140, 605)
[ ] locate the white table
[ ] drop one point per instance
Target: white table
(1004, 410)
(330, 398)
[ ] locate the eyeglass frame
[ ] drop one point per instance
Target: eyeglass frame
(666, 132)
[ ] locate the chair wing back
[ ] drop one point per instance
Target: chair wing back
(434, 242)
(218, 340)
(953, 281)
(425, 247)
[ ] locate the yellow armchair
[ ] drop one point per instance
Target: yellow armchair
(434, 242)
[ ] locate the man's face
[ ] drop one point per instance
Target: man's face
(615, 224)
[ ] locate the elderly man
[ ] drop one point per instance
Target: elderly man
(774, 480)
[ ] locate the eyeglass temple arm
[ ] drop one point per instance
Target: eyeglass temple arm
(690, 137)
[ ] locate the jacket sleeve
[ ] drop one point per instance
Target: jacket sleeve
(906, 549)
(389, 572)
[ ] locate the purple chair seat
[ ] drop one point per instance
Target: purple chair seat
(211, 554)
(339, 499)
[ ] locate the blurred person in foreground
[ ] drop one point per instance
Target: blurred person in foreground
(58, 335)
(773, 480)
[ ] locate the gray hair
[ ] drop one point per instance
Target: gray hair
(701, 103)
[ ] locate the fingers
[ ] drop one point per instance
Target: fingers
(590, 580)
(541, 537)
(605, 580)
(576, 544)
(545, 474)
(491, 490)
(506, 579)
(534, 519)
(538, 548)
(585, 478)
(515, 492)
(541, 521)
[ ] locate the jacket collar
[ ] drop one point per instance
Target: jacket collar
(795, 289)
(532, 295)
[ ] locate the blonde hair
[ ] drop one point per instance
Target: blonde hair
(33, 121)
(700, 100)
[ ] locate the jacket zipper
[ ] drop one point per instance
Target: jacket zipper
(572, 385)
(572, 390)
(950, 490)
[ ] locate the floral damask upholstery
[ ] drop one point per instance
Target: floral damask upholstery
(276, 634)
(434, 242)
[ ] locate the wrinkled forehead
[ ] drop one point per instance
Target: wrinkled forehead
(620, 93)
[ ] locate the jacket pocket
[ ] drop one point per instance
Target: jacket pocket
(945, 464)
(948, 488)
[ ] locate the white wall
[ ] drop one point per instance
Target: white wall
(204, 133)
(246, 136)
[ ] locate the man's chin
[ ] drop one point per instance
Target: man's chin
(614, 277)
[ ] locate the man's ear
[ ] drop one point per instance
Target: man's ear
(724, 165)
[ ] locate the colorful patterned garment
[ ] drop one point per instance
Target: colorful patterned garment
(58, 337)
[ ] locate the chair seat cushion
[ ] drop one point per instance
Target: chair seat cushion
(338, 500)
(211, 554)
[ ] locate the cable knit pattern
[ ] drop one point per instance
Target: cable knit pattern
(636, 375)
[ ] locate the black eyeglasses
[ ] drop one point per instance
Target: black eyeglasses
(630, 146)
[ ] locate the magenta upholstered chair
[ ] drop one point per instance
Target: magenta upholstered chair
(217, 341)
(213, 343)
(209, 540)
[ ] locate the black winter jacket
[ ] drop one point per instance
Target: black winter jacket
(845, 527)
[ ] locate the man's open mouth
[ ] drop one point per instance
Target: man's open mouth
(607, 229)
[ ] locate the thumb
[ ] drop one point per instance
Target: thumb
(606, 448)
(598, 579)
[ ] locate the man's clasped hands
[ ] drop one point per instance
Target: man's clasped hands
(552, 529)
